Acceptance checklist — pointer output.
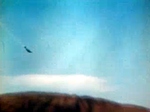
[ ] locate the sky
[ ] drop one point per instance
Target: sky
(85, 47)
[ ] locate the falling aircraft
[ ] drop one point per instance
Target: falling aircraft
(29, 51)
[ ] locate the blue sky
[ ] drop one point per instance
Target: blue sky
(104, 39)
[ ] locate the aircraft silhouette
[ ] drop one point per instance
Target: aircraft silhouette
(29, 51)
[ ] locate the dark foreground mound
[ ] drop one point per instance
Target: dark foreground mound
(52, 102)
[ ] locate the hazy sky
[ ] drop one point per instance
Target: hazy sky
(98, 47)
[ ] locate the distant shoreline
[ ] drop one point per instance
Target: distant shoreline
(58, 102)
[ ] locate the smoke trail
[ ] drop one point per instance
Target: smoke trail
(10, 35)
(3, 46)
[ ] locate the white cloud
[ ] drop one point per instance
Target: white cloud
(73, 84)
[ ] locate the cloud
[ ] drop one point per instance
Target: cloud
(74, 84)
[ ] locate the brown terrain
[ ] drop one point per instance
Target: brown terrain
(54, 102)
